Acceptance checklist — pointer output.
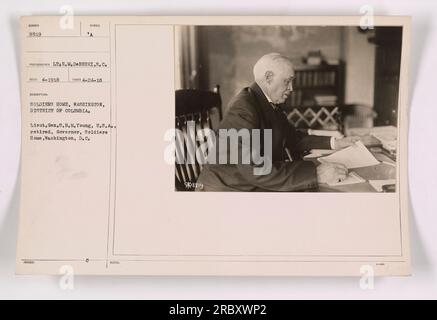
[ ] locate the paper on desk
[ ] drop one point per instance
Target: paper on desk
(355, 156)
(378, 184)
(351, 178)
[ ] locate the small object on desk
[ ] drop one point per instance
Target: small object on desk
(370, 142)
(379, 185)
(389, 188)
(351, 178)
(355, 156)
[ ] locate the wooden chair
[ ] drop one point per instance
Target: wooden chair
(204, 108)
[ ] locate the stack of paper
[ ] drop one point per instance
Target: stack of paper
(355, 156)
(388, 137)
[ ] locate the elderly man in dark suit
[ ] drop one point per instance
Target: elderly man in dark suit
(258, 107)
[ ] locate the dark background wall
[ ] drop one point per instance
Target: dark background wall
(228, 53)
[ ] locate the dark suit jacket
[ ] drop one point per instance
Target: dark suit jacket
(250, 109)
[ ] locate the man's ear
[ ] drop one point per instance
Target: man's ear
(269, 76)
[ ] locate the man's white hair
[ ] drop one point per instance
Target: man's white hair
(268, 62)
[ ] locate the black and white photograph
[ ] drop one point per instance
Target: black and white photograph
(263, 152)
(287, 108)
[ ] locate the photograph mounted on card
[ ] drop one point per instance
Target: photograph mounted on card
(241, 146)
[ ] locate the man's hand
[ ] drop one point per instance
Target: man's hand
(345, 142)
(331, 172)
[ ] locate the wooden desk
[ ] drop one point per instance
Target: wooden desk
(380, 171)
